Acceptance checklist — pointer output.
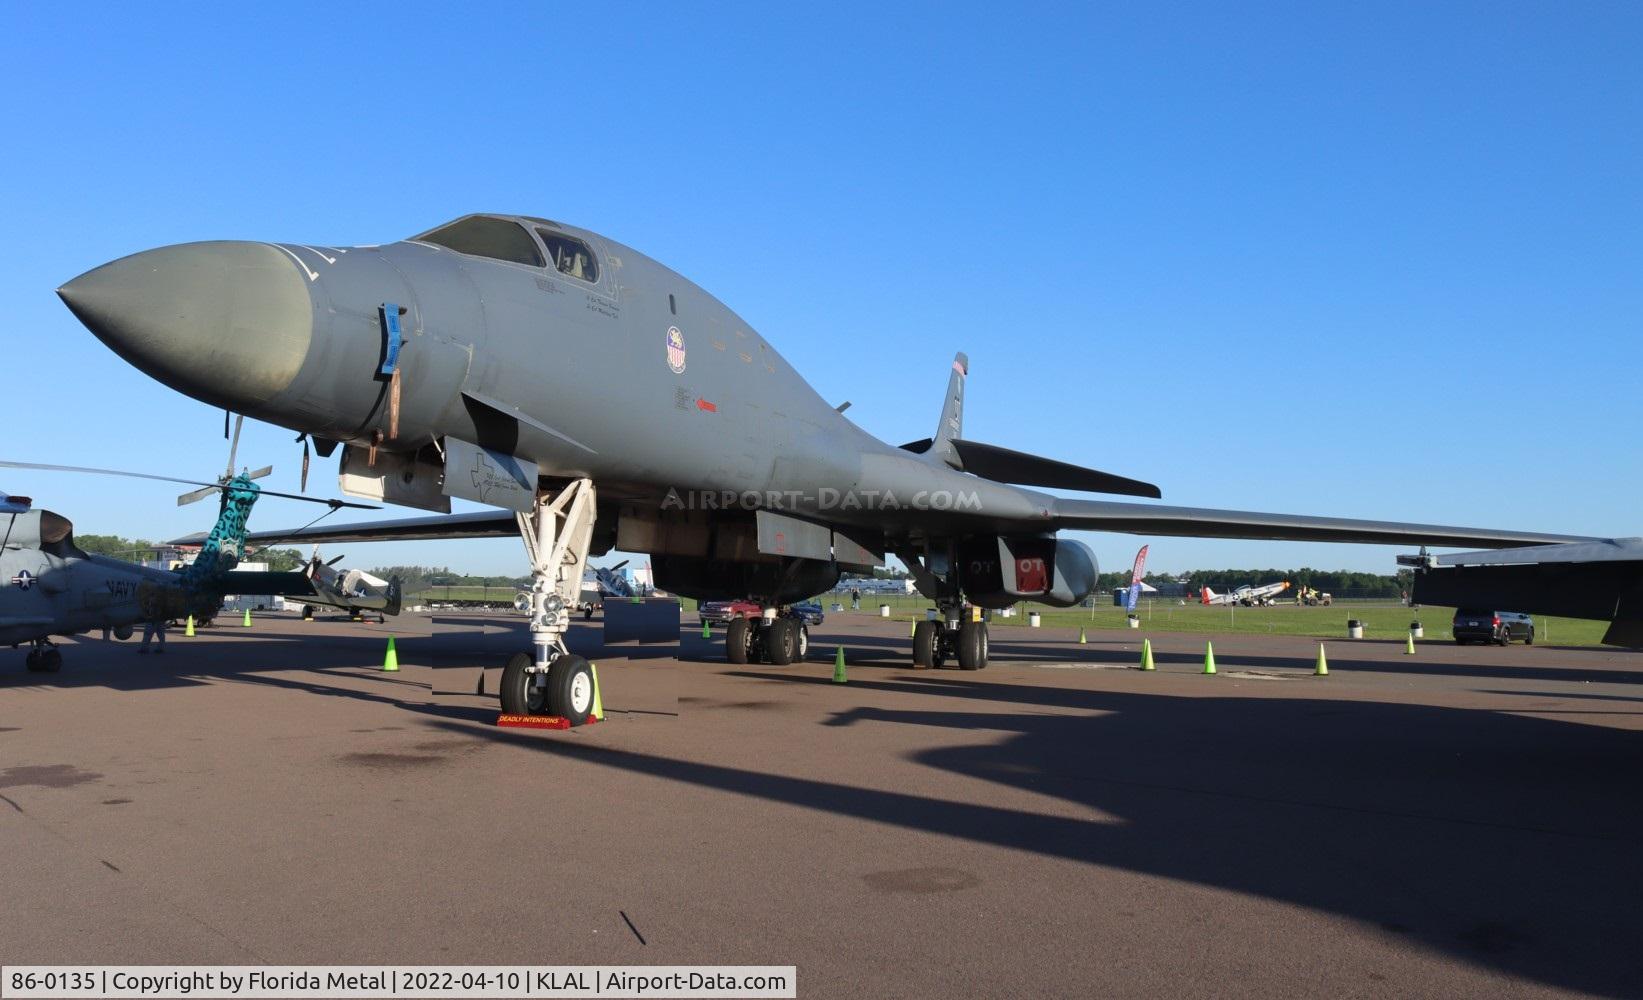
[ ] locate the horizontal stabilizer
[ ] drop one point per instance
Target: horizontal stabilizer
(1005, 465)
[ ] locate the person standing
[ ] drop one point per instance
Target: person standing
(151, 628)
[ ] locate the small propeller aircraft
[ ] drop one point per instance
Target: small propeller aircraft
(1248, 595)
(54, 588)
(352, 590)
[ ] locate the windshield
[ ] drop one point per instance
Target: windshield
(485, 236)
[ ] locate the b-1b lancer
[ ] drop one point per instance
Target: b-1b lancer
(478, 359)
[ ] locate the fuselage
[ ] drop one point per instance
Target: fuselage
(618, 369)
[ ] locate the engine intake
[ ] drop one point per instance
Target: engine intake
(996, 571)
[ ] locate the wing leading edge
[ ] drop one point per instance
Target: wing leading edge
(478, 524)
(1200, 522)
(1077, 515)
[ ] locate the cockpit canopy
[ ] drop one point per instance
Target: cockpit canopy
(531, 242)
(48, 531)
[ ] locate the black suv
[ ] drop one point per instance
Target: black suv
(1492, 626)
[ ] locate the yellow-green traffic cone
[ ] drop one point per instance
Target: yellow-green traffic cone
(1083, 640)
(912, 629)
(1322, 669)
(390, 659)
(1209, 657)
(188, 629)
(598, 698)
(838, 666)
(1146, 655)
(1409, 647)
(707, 630)
(247, 621)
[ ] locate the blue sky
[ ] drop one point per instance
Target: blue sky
(1370, 260)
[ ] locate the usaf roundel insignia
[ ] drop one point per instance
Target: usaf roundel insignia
(23, 580)
(675, 350)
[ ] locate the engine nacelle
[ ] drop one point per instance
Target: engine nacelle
(996, 571)
(727, 580)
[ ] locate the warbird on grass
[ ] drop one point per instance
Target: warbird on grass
(478, 360)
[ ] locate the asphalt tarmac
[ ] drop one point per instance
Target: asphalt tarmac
(1461, 822)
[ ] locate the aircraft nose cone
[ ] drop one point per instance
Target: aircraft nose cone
(225, 322)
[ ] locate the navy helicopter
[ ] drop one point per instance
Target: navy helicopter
(54, 588)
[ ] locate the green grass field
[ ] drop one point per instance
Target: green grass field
(1381, 619)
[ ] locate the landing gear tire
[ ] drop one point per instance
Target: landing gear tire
(924, 644)
(307, 612)
(781, 641)
(972, 646)
(570, 689)
(738, 641)
(520, 695)
(33, 661)
(52, 661)
(944, 640)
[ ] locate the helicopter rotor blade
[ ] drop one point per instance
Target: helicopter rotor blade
(195, 496)
(208, 487)
(265, 470)
(233, 449)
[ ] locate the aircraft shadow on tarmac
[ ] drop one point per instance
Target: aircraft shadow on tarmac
(1491, 838)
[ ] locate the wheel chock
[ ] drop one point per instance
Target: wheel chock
(507, 721)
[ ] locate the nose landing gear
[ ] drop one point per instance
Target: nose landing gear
(550, 679)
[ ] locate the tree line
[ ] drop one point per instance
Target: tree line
(138, 549)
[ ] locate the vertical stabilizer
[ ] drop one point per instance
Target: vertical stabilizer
(952, 414)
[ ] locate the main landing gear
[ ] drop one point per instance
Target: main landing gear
(773, 638)
(44, 658)
(550, 679)
(956, 637)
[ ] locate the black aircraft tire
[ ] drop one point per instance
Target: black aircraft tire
(781, 641)
(986, 645)
(924, 644)
(53, 661)
(520, 696)
(33, 661)
(738, 640)
(570, 689)
(971, 646)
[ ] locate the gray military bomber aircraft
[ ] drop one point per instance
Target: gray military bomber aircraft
(478, 359)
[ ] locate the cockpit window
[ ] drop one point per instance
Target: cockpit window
(570, 256)
(484, 236)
